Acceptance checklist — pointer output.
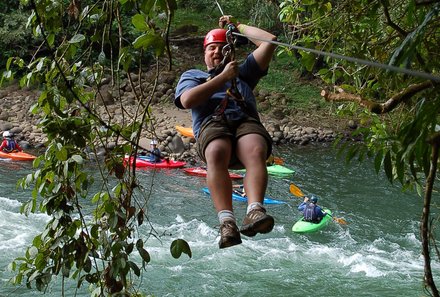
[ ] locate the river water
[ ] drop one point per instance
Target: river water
(378, 253)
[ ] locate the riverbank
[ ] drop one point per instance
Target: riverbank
(287, 126)
(15, 116)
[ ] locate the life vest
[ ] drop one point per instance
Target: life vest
(10, 146)
(155, 156)
(310, 213)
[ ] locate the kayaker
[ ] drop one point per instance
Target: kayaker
(310, 209)
(9, 144)
(154, 151)
(239, 189)
(227, 126)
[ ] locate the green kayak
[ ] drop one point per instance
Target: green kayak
(279, 170)
(302, 226)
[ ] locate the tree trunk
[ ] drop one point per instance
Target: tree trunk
(424, 227)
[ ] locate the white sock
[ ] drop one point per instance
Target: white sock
(254, 205)
(224, 215)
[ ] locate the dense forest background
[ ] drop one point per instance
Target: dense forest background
(66, 48)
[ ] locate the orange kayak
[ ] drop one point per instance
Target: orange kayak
(200, 171)
(18, 156)
(185, 131)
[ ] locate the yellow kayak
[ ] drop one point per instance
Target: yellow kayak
(185, 131)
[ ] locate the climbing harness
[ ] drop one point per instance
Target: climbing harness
(228, 52)
(229, 49)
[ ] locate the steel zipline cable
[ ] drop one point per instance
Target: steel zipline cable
(351, 59)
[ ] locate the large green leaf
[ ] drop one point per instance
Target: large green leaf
(77, 38)
(145, 41)
(139, 22)
(405, 53)
(178, 247)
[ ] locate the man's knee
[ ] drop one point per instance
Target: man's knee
(218, 151)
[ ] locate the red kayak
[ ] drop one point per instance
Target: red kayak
(18, 156)
(201, 171)
(146, 163)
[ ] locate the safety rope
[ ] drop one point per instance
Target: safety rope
(233, 90)
(228, 52)
(351, 59)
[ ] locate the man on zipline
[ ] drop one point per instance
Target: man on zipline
(227, 126)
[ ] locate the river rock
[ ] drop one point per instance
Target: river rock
(176, 145)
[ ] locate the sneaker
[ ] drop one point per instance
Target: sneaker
(229, 234)
(257, 221)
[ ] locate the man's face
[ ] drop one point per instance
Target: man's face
(213, 54)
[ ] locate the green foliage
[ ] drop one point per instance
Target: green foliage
(92, 234)
(7, 6)
(197, 5)
(399, 32)
(16, 39)
(401, 120)
(205, 13)
(284, 78)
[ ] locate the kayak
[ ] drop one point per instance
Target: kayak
(237, 197)
(147, 163)
(302, 226)
(278, 170)
(18, 156)
(185, 131)
(200, 171)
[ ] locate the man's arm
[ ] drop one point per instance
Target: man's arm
(18, 147)
(264, 51)
(302, 206)
(320, 212)
(201, 93)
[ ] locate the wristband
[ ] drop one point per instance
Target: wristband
(240, 29)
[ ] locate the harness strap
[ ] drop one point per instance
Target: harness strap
(233, 92)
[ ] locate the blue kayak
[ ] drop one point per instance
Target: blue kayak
(237, 197)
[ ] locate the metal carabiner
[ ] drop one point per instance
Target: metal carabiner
(226, 50)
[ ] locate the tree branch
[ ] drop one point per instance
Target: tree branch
(390, 22)
(425, 229)
(379, 108)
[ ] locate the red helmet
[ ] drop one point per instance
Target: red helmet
(215, 35)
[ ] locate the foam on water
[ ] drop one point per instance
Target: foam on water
(17, 230)
(377, 247)
(7, 203)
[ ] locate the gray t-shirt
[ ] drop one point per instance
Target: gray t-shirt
(249, 75)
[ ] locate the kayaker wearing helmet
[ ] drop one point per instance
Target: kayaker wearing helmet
(227, 126)
(311, 211)
(9, 145)
(154, 151)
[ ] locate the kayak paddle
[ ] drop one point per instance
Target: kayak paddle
(298, 193)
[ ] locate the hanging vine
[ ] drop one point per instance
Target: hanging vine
(91, 236)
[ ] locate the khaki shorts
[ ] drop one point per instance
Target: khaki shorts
(217, 128)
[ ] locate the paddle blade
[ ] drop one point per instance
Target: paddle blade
(340, 221)
(296, 191)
